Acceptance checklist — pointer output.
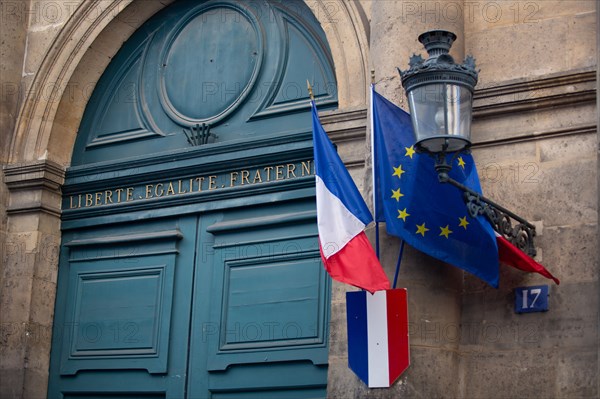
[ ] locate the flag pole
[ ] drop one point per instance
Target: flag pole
(398, 263)
(373, 166)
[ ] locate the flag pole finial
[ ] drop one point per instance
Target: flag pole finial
(372, 76)
(310, 90)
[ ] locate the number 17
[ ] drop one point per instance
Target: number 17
(534, 291)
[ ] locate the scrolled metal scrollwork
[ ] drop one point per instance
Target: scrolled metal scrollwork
(520, 235)
(523, 239)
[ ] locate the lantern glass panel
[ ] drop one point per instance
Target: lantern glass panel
(441, 116)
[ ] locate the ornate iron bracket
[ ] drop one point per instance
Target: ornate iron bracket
(199, 134)
(520, 235)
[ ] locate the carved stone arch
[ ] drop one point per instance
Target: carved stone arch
(49, 119)
(347, 35)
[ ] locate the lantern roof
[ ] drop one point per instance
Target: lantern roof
(440, 66)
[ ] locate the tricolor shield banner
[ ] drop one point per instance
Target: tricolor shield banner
(378, 348)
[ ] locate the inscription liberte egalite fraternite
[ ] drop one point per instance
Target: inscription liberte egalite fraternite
(189, 185)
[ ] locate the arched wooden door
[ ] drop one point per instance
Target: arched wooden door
(189, 265)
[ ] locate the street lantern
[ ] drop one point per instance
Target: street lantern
(440, 95)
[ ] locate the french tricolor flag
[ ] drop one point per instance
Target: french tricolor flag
(378, 348)
(342, 216)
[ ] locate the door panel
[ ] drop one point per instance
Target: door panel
(265, 324)
(125, 294)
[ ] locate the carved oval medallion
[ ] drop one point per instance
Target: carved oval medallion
(227, 44)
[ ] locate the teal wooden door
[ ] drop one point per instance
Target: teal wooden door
(189, 266)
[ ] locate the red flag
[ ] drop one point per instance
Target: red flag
(356, 264)
(512, 256)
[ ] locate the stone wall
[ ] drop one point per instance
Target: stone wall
(13, 32)
(535, 143)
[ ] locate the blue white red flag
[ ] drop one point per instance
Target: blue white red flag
(342, 216)
(378, 348)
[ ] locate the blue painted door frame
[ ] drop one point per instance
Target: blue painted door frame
(190, 265)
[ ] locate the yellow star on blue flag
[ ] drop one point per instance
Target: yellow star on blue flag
(438, 224)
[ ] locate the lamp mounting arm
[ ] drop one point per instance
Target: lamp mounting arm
(520, 235)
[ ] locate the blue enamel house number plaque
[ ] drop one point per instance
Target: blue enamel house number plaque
(531, 299)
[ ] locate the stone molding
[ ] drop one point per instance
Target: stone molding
(27, 184)
(562, 89)
(570, 131)
(346, 125)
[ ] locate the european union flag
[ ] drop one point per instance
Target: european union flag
(430, 216)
